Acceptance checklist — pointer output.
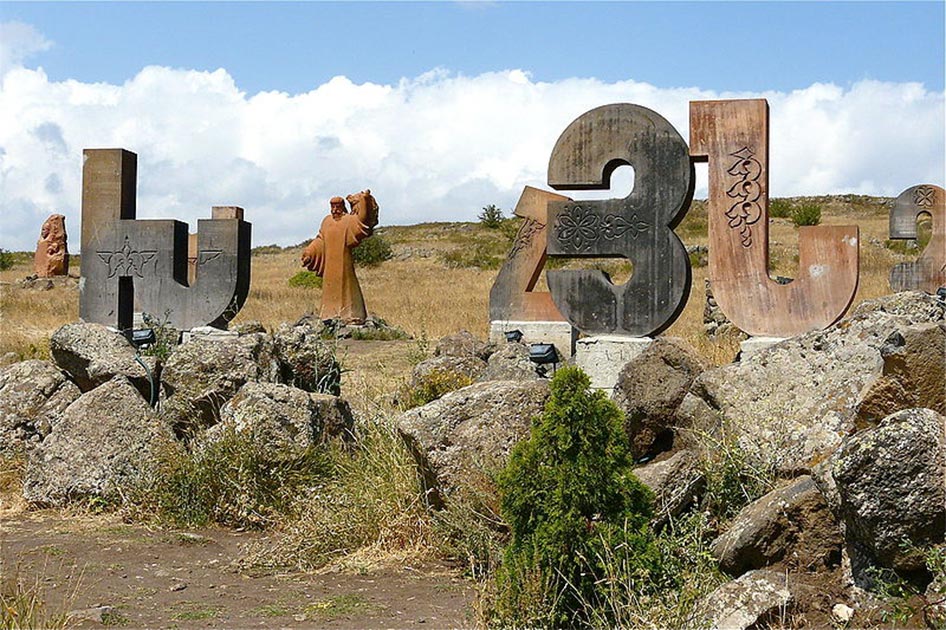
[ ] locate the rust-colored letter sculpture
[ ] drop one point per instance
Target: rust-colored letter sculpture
(638, 227)
(928, 273)
(329, 255)
(734, 137)
(512, 297)
(52, 256)
(131, 265)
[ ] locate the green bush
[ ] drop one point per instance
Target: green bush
(491, 217)
(372, 251)
(568, 493)
(806, 214)
(780, 208)
(6, 260)
(306, 280)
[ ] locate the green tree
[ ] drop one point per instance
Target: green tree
(568, 494)
(491, 217)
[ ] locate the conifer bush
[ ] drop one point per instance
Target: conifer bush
(568, 494)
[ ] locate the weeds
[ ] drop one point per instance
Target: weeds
(806, 214)
(430, 387)
(22, 605)
(305, 280)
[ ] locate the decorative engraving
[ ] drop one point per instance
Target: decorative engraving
(530, 227)
(206, 255)
(615, 226)
(127, 261)
(577, 226)
(582, 228)
(924, 197)
(747, 191)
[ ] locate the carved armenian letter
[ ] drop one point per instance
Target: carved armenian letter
(131, 265)
(928, 272)
(734, 137)
(512, 296)
(638, 227)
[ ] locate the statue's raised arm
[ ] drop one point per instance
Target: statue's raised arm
(364, 206)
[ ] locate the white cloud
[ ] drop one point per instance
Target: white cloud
(434, 147)
(18, 42)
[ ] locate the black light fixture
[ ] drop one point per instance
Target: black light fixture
(543, 354)
(941, 293)
(142, 337)
(513, 336)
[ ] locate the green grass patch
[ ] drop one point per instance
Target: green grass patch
(306, 280)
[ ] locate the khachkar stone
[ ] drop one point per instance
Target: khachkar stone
(52, 255)
(329, 255)
(638, 227)
(132, 265)
(928, 272)
(734, 137)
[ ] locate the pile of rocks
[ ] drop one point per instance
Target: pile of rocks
(86, 425)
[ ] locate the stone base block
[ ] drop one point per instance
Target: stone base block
(561, 334)
(754, 344)
(603, 357)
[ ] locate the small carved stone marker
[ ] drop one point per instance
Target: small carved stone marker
(52, 254)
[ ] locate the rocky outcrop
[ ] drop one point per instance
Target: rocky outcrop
(33, 396)
(649, 391)
(203, 374)
(510, 362)
(756, 598)
(307, 359)
(457, 437)
(92, 354)
(284, 419)
(799, 398)
(890, 487)
(463, 344)
(677, 483)
(792, 523)
(105, 442)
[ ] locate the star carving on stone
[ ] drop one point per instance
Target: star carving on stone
(126, 261)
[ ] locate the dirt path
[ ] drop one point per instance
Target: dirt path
(187, 579)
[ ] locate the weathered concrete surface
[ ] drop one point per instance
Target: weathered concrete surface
(562, 335)
(133, 266)
(603, 357)
(470, 431)
(33, 396)
(104, 443)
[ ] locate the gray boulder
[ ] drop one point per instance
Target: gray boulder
(752, 601)
(284, 419)
(677, 483)
(33, 396)
(306, 359)
(106, 441)
(463, 344)
(469, 431)
(92, 354)
(649, 391)
(792, 523)
(510, 363)
(796, 400)
(203, 374)
(890, 485)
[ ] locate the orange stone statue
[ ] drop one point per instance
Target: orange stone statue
(52, 256)
(329, 255)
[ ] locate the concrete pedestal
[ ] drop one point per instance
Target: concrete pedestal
(603, 357)
(754, 344)
(561, 334)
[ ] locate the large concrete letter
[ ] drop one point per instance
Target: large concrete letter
(130, 265)
(928, 273)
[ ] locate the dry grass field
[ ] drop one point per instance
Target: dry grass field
(427, 291)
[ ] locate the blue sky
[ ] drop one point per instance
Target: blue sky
(440, 108)
(294, 47)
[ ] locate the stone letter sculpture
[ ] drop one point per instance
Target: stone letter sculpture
(638, 227)
(329, 255)
(928, 272)
(734, 137)
(52, 255)
(512, 297)
(131, 265)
